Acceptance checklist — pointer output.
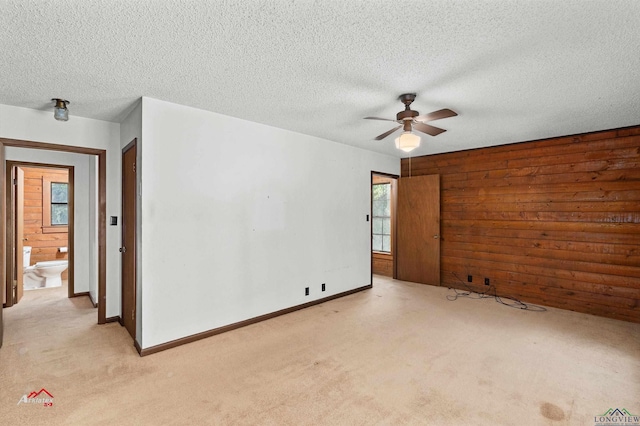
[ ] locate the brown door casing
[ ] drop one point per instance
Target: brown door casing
(418, 224)
(128, 227)
(3, 271)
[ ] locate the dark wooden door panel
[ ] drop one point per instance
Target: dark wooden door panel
(418, 244)
(129, 239)
(2, 237)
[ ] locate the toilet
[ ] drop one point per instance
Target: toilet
(42, 274)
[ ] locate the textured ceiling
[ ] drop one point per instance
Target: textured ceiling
(514, 71)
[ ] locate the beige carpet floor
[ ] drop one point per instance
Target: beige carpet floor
(397, 354)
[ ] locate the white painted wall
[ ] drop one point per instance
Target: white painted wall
(239, 217)
(81, 208)
(34, 125)
(131, 126)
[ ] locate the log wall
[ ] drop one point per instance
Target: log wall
(554, 222)
(44, 245)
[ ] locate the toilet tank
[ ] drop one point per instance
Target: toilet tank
(26, 256)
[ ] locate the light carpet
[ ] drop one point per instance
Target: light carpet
(397, 354)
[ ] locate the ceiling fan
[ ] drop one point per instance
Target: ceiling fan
(412, 120)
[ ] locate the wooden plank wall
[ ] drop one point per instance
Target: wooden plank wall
(382, 264)
(554, 222)
(45, 246)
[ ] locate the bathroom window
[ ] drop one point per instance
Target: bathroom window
(55, 206)
(59, 204)
(381, 218)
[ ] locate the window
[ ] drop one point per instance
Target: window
(55, 205)
(59, 204)
(381, 217)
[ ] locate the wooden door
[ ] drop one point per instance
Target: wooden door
(3, 271)
(19, 233)
(418, 224)
(128, 248)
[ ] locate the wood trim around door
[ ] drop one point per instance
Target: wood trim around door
(102, 209)
(3, 271)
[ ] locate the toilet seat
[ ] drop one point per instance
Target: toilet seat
(50, 263)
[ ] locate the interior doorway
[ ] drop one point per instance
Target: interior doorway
(383, 223)
(101, 210)
(40, 228)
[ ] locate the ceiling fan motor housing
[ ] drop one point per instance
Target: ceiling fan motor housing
(408, 113)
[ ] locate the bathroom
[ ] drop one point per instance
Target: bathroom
(45, 231)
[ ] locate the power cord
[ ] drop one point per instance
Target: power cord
(471, 294)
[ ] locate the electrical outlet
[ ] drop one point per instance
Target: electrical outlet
(306, 291)
(324, 286)
(486, 281)
(469, 278)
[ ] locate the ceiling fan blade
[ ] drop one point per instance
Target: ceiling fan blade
(436, 115)
(378, 118)
(385, 134)
(425, 128)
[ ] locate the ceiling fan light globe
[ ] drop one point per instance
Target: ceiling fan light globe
(60, 111)
(61, 114)
(407, 142)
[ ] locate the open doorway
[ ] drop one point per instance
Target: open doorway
(100, 157)
(40, 229)
(383, 223)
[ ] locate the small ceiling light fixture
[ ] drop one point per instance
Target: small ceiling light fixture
(60, 111)
(407, 141)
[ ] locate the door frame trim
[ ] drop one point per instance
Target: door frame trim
(102, 208)
(10, 242)
(3, 268)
